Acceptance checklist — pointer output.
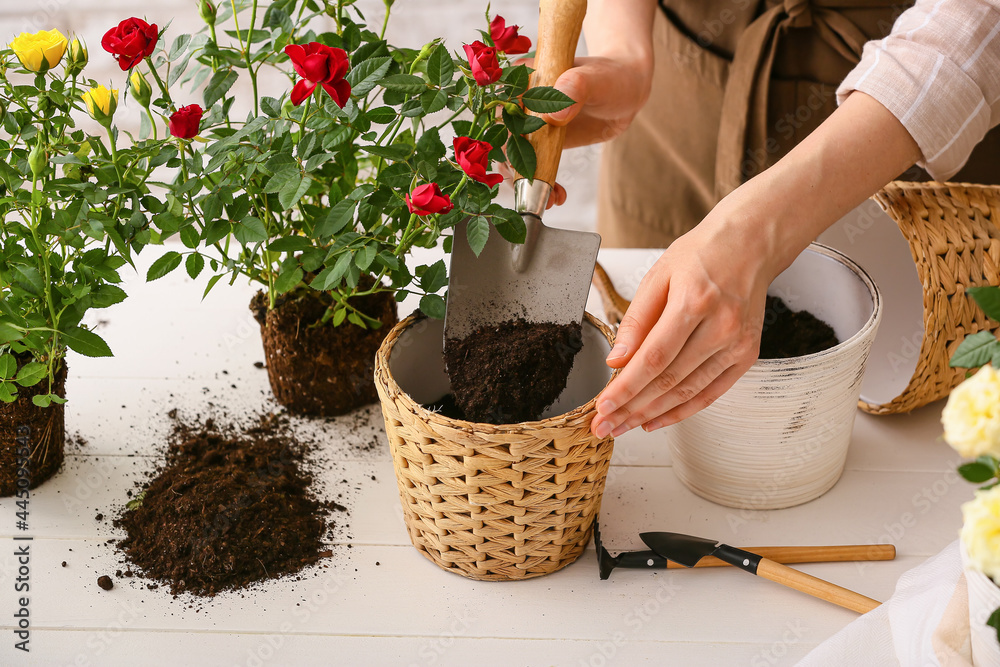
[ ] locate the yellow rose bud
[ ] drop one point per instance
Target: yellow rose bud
(101, 104)
(78, 56)
(971, 417)
(140, 88)
(40, 51)
(981, 532)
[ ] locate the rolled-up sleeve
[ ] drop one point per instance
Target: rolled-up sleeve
(938, 72)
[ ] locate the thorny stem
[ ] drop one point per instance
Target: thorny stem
(44, 249)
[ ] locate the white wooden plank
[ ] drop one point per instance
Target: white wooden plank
(116, 646)
(395, 591)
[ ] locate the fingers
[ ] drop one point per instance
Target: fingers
(642, 314)
(697, 365)
(699, 402)
(558, 196)
(575, 84)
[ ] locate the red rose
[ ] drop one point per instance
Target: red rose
(506, 39)
(474, 158)
(484, 63)
(131, 41)
(186, 121)
(323, 65)
(428, 199)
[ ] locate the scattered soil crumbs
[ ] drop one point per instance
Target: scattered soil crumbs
(511, 372)
(228, 508)
(104, 581)
(789, 333)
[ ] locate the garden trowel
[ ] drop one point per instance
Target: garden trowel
(546, 279)
(688, 550)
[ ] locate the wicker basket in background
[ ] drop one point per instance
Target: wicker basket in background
(494, 503)
(952, 230)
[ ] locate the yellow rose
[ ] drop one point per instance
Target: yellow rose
(981, 532)
(40, 51)
(101, 103)
(971, 417)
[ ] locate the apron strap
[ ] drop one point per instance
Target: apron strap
(744, 103)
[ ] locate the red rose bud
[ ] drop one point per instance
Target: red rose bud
(474, 159)
(321, 65)
(132, 40)
(483, 62)
(186, 121)
(428, 200)
(506, 38)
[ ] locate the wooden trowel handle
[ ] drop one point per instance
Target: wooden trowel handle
(815, 586)
(559, 25)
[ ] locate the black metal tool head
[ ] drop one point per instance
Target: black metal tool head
(605, 561)
(684, 549)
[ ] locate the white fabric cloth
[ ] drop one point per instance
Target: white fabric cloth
(938, 72)
(924, 624)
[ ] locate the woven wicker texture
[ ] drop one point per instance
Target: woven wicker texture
(494, 503)
(953, 236)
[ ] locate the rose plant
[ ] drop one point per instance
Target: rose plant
(971, 420)
(320, 191)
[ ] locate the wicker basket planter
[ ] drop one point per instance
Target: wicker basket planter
(954, 239)
(494, 503)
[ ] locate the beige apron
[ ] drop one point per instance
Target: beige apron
(737, 84)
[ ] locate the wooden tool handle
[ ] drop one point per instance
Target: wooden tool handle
(787, 555)
(814, 586)
(614, 304)
(559, 26)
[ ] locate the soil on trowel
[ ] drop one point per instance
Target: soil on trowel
(509, 373)
(228, 508)
(789, 333)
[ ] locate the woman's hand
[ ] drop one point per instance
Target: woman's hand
(609, 92)
(692, 330)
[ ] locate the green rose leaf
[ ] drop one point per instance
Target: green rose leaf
(433, 305)
(405, 83)
(975, 350)
(545, 99)
(396, 152)
(9, 334)
(86, 342)
(29, 278)
(42, 400)
(440, 67)
(292, 192)
(218, 86)
(161, 267)
(194, 265)
(31, 373)
(250, 230)
(976, 472)
(287, 280)
(8, 366)
(517, 78)
(509, 223)
(433, 101)
(435, 277)
(478, 233)
(106, 296)
(8, 393)
(339, 217)
(988, 299)
(521, 155)
(364, 76)
(330, 276)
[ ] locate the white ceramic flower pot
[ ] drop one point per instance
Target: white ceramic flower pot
(984, 598)
(779, 436)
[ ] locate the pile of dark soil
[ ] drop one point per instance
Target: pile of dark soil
(228, 508)
(789, 333)
(511, 372)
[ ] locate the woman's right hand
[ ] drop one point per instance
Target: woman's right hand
(609, 92)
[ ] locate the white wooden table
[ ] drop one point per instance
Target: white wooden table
(380, 601)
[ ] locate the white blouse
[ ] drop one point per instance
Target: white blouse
(938, 72)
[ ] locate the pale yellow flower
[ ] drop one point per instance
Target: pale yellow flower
(971, 417)
(101, 103)
(39, 51)
(981, 532)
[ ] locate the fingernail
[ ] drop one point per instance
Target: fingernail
(621, 430)
(651, 426)
(617, 352)
(606, 407)
(603, 430)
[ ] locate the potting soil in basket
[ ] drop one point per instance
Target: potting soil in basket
(511, 372)
(228, 508)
